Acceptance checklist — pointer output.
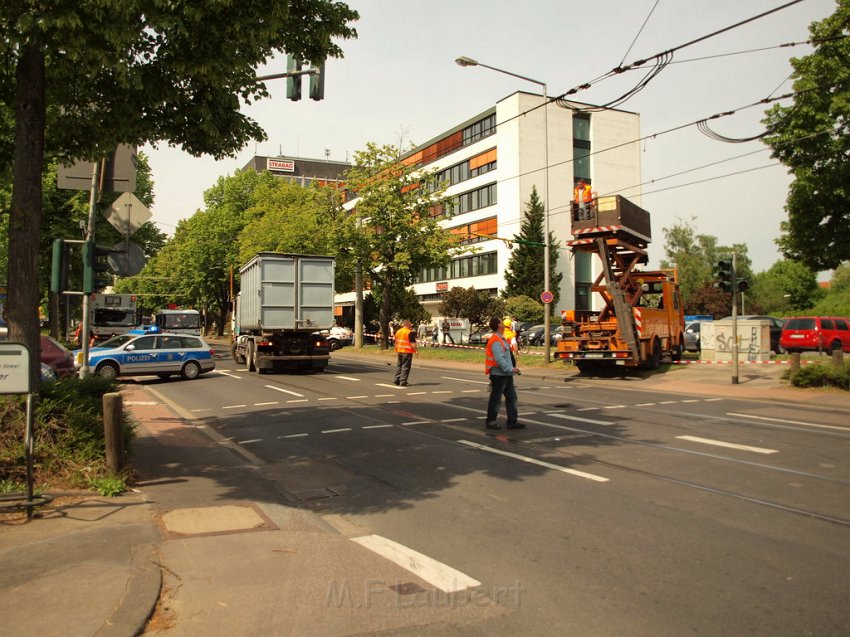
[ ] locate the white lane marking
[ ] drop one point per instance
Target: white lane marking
(393, 386)
(300, 400)
(355, 397)
(548, 465)
(466, 380)
(644, 405)
(790, 422)
(393, 402)
(439, 575)
(384, 395)
(416, 393)
(416, 422)
(588, 409)
(356, 380)
(294, 436)
(443, 391)
(470, 391)
(142, 402)
(285, 391)
(614, 407)
(328, 398)
(224, 373)
(335, 431)
(712, 400)
(587, 420)
(668, 402)
(233, 406)
(730, 445)
(195, 411)
(454, 420)
(274, 402)
(527, 413)
(248, 442)
(376, 426)
(691, 400)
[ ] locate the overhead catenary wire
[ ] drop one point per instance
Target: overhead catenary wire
(642, 26)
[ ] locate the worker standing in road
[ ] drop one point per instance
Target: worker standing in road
(500, 370)
(405, 347)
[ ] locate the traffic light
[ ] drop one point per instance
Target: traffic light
(293, 83)
(723, 275)
(317, 83)
(95, 267)
(59, 266)
(742, 285)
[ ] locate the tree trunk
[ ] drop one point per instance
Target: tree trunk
(25, 215)
(384, 313)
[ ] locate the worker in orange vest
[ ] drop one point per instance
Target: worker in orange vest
(405, 347)
(500, 368)
(583, 197)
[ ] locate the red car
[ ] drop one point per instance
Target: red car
(57, 357)
(816, 333)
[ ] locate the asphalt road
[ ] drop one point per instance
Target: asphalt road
(617, 511)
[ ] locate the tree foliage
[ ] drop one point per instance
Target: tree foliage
(787, 287)
(812, 138)
(523, 308)
(476, 305)
(78, 77)
(399, 235)
(524, 275)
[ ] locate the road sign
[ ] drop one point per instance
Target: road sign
(127, 214)
(119, 174)
(547, 297)
(126, 259)
(14, 368)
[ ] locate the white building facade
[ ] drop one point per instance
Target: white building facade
(493, 160)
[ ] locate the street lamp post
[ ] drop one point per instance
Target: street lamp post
(465, 61)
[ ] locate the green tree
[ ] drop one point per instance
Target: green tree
(811, 138)
(525, 276)
(476, 305)
(788, 286)
(79, 76)
(841, 278)
(400, 235)
(524, 308)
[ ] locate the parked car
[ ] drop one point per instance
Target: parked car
(338, 337)
(533, 335)
(776, 325)
(57, 357)
(692, 332)
(150, 352)
(816, 333)
(480, 338)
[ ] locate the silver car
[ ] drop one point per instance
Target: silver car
(692, 331)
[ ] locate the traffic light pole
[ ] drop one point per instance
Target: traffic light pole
(734, 320)
(85, 334)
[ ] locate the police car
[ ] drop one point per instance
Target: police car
(149, 352)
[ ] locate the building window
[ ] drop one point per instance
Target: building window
(468, 168)
(479, 130)
(468, 266)
(581, 127)
(476, 231)
(467, 202)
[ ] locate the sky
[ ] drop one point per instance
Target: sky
(398, 83)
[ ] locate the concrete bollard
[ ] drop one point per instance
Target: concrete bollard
(113, 439)
(795, 363)
(838, 357)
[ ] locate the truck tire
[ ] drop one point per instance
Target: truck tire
(654, 360)
(676, 351)
(252, 363)
(235, 353)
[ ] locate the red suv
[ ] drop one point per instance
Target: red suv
(816, 333)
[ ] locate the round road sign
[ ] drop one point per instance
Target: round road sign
(547, 297)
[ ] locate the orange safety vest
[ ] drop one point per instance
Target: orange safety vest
(489, 357)
(583, 194)
(402, 341)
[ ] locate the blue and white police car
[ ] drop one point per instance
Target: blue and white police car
(149, 352)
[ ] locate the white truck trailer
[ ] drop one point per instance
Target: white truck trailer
(284, 301)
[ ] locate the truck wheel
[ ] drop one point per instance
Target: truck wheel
(237, 357)
(676, 353)
(583, 366)
(252, 364)
(654, 361)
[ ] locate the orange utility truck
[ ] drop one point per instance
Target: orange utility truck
(641, 318)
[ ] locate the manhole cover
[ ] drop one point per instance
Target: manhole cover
(215, 520)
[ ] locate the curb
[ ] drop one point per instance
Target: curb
(140, 595)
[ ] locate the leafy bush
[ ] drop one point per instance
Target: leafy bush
(68, 430)
(109, 486)
(823, 375)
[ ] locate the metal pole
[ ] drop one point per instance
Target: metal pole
(86, 332)
(358, 296)
(29, 451)
(734, 322)
(546, 265)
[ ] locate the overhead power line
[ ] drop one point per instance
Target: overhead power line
(640, 31)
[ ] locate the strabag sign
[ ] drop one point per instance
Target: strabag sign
(14, 368)
(280, 165)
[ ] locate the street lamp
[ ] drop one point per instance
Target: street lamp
(465, 61)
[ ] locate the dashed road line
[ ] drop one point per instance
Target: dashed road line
(712, 400)
(470, 391)
(293, 436)
(466, 380)
(233, 406)
(300, 400)
(248, 442)
(388, 385)
(274, 402)
(416, 393)
(443, 391)
(142, 402)
(329, 398)
(691, 400)
(667, 402)
(454, 420)
(356, 380)
(789, 422)
(384, 395)
(578, 419)
(335, 431)
(614, 407)
(730, 445)
(376, 426)
(416, 422)
(541, 463)
(355, 397)
(645, 405)
(285, 391)
(195, 411)
(228, 374)
(588, 409)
